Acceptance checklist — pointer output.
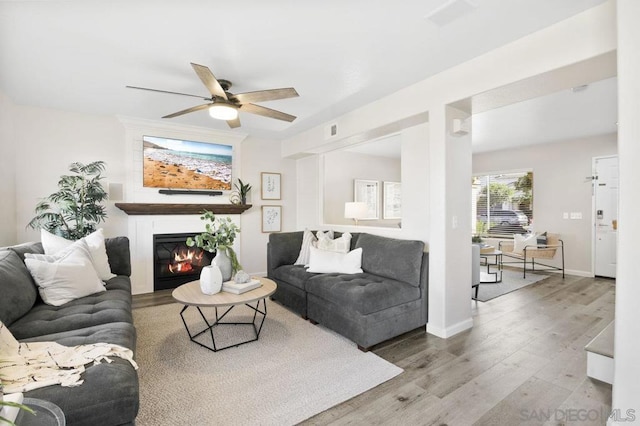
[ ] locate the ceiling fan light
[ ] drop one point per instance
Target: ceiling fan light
(223, 111)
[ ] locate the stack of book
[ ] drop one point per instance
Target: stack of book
(237, 288)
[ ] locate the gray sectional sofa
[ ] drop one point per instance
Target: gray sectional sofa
(389, 298)
(109, 394)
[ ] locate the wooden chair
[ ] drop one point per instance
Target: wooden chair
(532, 253)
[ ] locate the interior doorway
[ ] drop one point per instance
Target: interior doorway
(605, 215)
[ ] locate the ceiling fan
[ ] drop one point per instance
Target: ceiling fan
(225, 105)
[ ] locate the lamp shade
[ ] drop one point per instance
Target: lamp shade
(354, 210)
(223, 111)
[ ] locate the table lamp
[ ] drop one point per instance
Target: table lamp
(355, 211)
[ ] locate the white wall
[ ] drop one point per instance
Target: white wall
(47, 141)
(7, 173)
(626, 384)
(559, 185)
(341, 168)
(261, 155)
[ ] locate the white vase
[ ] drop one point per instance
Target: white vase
(210, 279)
(224, 263)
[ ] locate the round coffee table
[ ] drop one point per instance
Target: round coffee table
(190, 295)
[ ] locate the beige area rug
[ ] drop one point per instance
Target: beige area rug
(294, 371)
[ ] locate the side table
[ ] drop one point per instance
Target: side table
(491, 276)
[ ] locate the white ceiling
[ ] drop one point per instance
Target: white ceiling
(78, 55)
(559, 116)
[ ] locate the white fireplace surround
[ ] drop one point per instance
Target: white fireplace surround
(141, 232)
(142, 228)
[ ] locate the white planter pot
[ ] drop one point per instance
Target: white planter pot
(210, 279)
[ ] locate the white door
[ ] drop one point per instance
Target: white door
(605, 192)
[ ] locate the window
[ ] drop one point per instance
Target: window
(502, 203)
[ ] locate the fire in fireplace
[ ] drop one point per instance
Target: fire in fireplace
(186, 260)
(174, 262)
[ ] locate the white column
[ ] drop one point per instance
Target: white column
(626, 385)
(449, 219)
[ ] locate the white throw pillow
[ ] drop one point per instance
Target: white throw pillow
(65, 276)
(341, 244)
(325, 262)
(522, 241)
(307, 240)
(53, 244)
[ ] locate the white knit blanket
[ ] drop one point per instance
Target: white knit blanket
(27, 366)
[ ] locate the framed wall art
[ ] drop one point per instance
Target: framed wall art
(271, 218)
(270, 186)
(392, 200)
(366, 191)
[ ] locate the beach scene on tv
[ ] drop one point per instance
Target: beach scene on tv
(181, 164)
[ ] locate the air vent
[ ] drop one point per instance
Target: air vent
(331, 131)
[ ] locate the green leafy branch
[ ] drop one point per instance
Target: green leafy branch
(219, 234)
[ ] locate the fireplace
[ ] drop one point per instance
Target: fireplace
(175, 263)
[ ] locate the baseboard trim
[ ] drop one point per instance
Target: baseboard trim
(577, 273)
(445, 333)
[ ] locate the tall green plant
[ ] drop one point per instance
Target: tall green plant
(74, 210)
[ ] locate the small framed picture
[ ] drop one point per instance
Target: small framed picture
(392, 200)
(270, 186)
(271, 218)
(366, 191)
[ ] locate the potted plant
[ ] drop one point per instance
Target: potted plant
(75, 209)
(243, 189)
(218, 237)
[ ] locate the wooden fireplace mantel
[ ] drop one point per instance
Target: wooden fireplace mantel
(182, 209)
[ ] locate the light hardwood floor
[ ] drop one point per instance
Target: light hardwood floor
(523, 362)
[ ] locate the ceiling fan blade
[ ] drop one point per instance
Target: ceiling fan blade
(267, 112)
(266, 95)
(188, 110)
(234, 123)
(166, 91)
(209, 80)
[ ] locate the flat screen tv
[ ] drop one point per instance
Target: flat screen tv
(182, 164)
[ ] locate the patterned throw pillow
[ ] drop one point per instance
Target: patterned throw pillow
(341, 244)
